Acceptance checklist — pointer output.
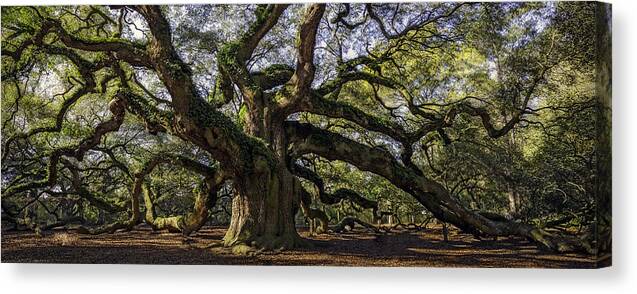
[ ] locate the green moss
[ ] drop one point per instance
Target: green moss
(262, 13)
(242, 249)
(274, 75)
(278, 67)
(251, 148)
(228, 53)
(140, 106)
(282, 95)
(243, 114)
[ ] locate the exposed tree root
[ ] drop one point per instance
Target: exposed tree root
(554, 241)
(348, 223)
(267, 243)
(213, 244)
(559, 242)
(109, 228)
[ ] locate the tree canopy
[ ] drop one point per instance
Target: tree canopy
(485, 116)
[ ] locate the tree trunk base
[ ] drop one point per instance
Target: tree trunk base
(260, 244)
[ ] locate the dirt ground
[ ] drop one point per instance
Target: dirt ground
(425, 248)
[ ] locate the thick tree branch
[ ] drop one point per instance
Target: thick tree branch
(316, 104)
(304, 73)
(132, 53)
(305, 138)
(205, 194)
(412, 27)
(87, 70)
(338, 195)
(233, 56)
(267, 17)
(117, 108)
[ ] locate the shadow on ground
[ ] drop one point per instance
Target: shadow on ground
(424, 248)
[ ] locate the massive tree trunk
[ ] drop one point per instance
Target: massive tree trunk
(267, 199)
(263, 212)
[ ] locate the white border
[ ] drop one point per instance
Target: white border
(621, 278)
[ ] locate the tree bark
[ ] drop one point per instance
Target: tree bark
(263, 212)
(266, 201)
(205, 199)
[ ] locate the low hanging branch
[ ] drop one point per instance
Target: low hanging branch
(205, 198)
(205, 195)
(338, 195)
(307, 139)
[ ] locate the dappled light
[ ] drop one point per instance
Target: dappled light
(384, 134)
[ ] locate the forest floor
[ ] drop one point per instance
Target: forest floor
(358, 248)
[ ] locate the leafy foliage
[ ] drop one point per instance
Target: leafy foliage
(494, 102)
